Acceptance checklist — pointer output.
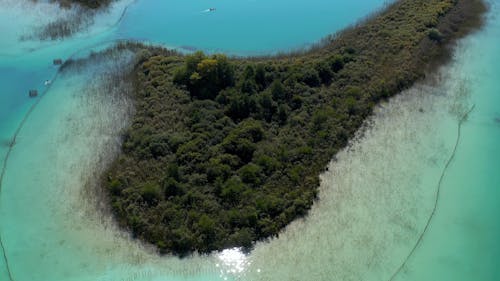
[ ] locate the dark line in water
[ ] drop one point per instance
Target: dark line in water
(438, 192)
(123, 14)
(6, 260)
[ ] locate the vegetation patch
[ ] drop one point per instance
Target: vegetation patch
(223, 152)
(91, 4)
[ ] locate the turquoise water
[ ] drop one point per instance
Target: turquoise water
(463, 240)
(241, 27)
(374, 201)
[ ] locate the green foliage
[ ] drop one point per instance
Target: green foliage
(150, 193)
(172, 187)
(223, 152)
(115, 187)
(242, 140)
(232, 189)
(311, 77)
(278, 92)
(250, 174)
(204, 76)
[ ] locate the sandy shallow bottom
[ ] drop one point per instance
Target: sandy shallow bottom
(374, 200)
(463, 240)
(367, 217)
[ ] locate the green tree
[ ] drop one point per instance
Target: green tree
(151, 193)
(205, 77)
(260, 76)
(250, 173)
(278, 91)
(232, 189)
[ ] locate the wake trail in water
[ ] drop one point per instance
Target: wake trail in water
(438, 192)
(209, 10)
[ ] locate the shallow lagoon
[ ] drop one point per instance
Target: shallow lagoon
(374, 201)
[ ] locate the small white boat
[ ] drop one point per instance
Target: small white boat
(47, 82)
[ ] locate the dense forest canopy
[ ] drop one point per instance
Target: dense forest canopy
(223, 152)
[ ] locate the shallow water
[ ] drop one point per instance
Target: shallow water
(463, 240)
(374, 201)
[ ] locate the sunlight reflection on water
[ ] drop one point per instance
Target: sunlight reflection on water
(232, 262)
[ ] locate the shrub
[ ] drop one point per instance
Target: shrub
(278, 91)
(435, 35)
(311, 77)
(250, 173)
(150, 193)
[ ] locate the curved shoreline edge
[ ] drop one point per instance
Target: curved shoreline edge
(0, 190)
(452, 24)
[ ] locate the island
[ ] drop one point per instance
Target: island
(223, 152)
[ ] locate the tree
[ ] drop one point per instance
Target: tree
(172, 188)
(242, 140)
(232, 189)
(268, 106)
(150, 192)
(205, 77)
(278, 91)
(240, 105)
(206, 225)
(336, 63)
(311, 77)
(325, 72)
(435, 35)
(282, 113)
(250, 173)
(260, 76)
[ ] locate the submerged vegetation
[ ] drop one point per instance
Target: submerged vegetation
(79, 16)
(92, 4)
(63, 27)
(223, 152)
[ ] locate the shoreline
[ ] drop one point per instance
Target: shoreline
(169, 264)
(442, 50)
(349, 208)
